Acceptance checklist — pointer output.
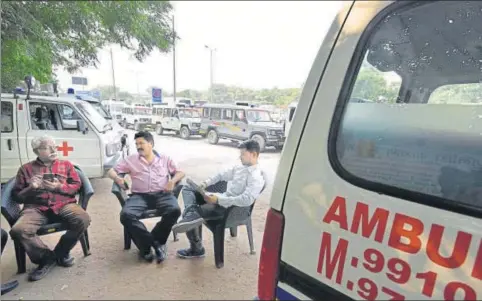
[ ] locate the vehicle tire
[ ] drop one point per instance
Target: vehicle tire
(185, 132)
(213, 137)
(159, 129)
(136, 126)
(261, 141)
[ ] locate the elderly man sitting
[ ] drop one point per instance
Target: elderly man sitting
(47, 187)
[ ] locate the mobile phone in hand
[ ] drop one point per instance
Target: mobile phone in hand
(48, 177)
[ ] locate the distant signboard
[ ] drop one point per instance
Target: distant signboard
(156, 95)
(81, 81)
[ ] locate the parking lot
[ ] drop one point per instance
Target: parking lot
(113, 273)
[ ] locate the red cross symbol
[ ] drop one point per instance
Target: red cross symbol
(65, 148)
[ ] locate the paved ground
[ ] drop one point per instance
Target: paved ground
(112, 273)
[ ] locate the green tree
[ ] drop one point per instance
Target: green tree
(37, 35)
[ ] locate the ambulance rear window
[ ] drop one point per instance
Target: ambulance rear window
(418, 133)
(7, 117)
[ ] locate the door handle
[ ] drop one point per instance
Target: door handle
(9, 144)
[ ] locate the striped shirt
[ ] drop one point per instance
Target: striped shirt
(147, 177)
(244, 185)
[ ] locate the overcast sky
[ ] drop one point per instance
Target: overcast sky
(260, 44)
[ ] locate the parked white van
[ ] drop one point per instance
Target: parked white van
(382, 199)
(83, 135)
(182, 120)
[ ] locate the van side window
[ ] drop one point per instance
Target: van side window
(228, 114)
(167, 112)
(44, 116)
(69, 117)
(206, 112)
(412, 121)
(215, 113)
(239, 115)
(7, 117)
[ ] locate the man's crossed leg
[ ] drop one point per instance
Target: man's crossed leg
(196, 210)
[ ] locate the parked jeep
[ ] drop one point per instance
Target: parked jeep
(184, 121)
(238, 123)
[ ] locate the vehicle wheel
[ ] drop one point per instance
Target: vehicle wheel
(185, 133)
(213, 137)
(136, 126)
(261, 141)
(159, 129)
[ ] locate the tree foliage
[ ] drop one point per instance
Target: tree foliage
(224, 93)
(37, 35)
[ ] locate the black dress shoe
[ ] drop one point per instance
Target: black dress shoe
(66, 261)
(146, 256)
(161, 252)
(9, 286)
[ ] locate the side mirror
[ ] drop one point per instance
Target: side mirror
(81, 127)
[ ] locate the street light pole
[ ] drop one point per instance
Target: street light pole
(113, 75)
(174, 58)
(211, 50)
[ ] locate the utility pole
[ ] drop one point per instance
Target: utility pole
(113, 75)
(174, 58)
(211, 76)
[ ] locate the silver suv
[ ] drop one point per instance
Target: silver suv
(238, 123)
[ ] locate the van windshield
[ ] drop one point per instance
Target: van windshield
(259, 116)
(189, 114)
(92, 114)
(102, 111)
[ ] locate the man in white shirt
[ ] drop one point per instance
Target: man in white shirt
(245, 184)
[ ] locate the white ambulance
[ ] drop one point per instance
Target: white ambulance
(382, 199)
(84, 137)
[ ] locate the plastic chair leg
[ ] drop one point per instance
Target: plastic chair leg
(233, 231)
(21, 257)
(249, 229)
(175, 236)
(86, 234)
(127, 240)
(84, 244)
(219, 246)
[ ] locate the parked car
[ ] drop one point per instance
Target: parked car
(184, 121)
(239, 123)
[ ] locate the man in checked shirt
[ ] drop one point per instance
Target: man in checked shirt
(45, 199)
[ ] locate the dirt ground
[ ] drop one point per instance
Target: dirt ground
(114, 273)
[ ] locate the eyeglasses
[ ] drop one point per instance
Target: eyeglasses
(53, 148)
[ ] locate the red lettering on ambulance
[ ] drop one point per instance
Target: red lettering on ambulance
(378, 220)
(477, 271)
(337, 213)
(399, 231)
(459, 253)
(331, 263)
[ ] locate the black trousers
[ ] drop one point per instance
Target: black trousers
(166, 205)
(4, 239)
(191, 199)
